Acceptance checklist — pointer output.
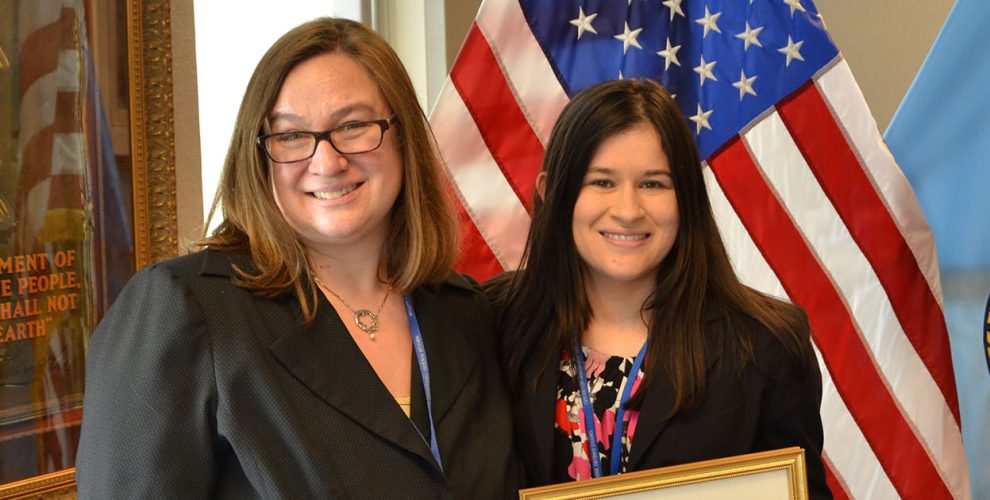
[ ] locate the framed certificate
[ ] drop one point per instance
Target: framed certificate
(770, 475)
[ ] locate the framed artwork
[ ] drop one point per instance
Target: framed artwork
(770, 475)
(87, 196)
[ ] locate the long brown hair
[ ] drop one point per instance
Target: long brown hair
(422, 237)
(543, 304)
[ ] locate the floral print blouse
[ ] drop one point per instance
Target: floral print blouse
(606, 376)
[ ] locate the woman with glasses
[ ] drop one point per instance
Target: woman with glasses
(627, 340)
(319, 346)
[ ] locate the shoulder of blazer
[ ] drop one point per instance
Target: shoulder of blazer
(768, 350)
(204, 274)
(454, 282)
(225, 264)
(208, 263)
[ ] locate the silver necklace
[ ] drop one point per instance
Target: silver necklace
(366, 320)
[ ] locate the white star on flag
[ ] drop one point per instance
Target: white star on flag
(583, 22)
(710, 22)
(795, 5)
(705, 70)
(670, 55)
(675, 7)
(701, 119)
(749, 37)
(792, 51)
(745, 85)
(628, 38)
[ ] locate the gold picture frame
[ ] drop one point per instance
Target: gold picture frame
(152, 148)
(55, 486)
(778, 473)
(149, 31)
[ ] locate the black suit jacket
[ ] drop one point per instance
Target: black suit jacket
(769, 406)
(198, 388)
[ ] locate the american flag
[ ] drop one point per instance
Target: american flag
(51, 144)
(810, 202)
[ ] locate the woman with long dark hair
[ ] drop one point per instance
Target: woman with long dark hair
(627, 340)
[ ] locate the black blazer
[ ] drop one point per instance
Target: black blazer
(769, 406)
(198, 388)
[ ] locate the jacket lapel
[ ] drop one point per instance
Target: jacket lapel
(660, 400)
(325, 359)
(653, 419)
(541, 406)
(450, 356)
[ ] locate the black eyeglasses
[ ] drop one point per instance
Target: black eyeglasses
(348, 139)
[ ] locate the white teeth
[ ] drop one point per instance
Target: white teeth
(624, 237)
(333, 195)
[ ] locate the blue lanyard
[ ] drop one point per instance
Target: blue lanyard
(589, 412)
(424, 370)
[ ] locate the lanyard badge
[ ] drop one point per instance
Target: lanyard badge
(424, 371)
(589, 413)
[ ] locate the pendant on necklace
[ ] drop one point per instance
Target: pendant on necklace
(366, 321)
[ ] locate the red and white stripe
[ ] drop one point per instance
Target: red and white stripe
(812, 208)
(51, 146)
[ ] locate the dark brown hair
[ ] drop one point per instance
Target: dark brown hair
(422, 237)
(542, 305)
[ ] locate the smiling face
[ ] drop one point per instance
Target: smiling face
(626, 217)
(333, 200)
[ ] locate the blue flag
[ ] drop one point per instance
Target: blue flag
(940, 136)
